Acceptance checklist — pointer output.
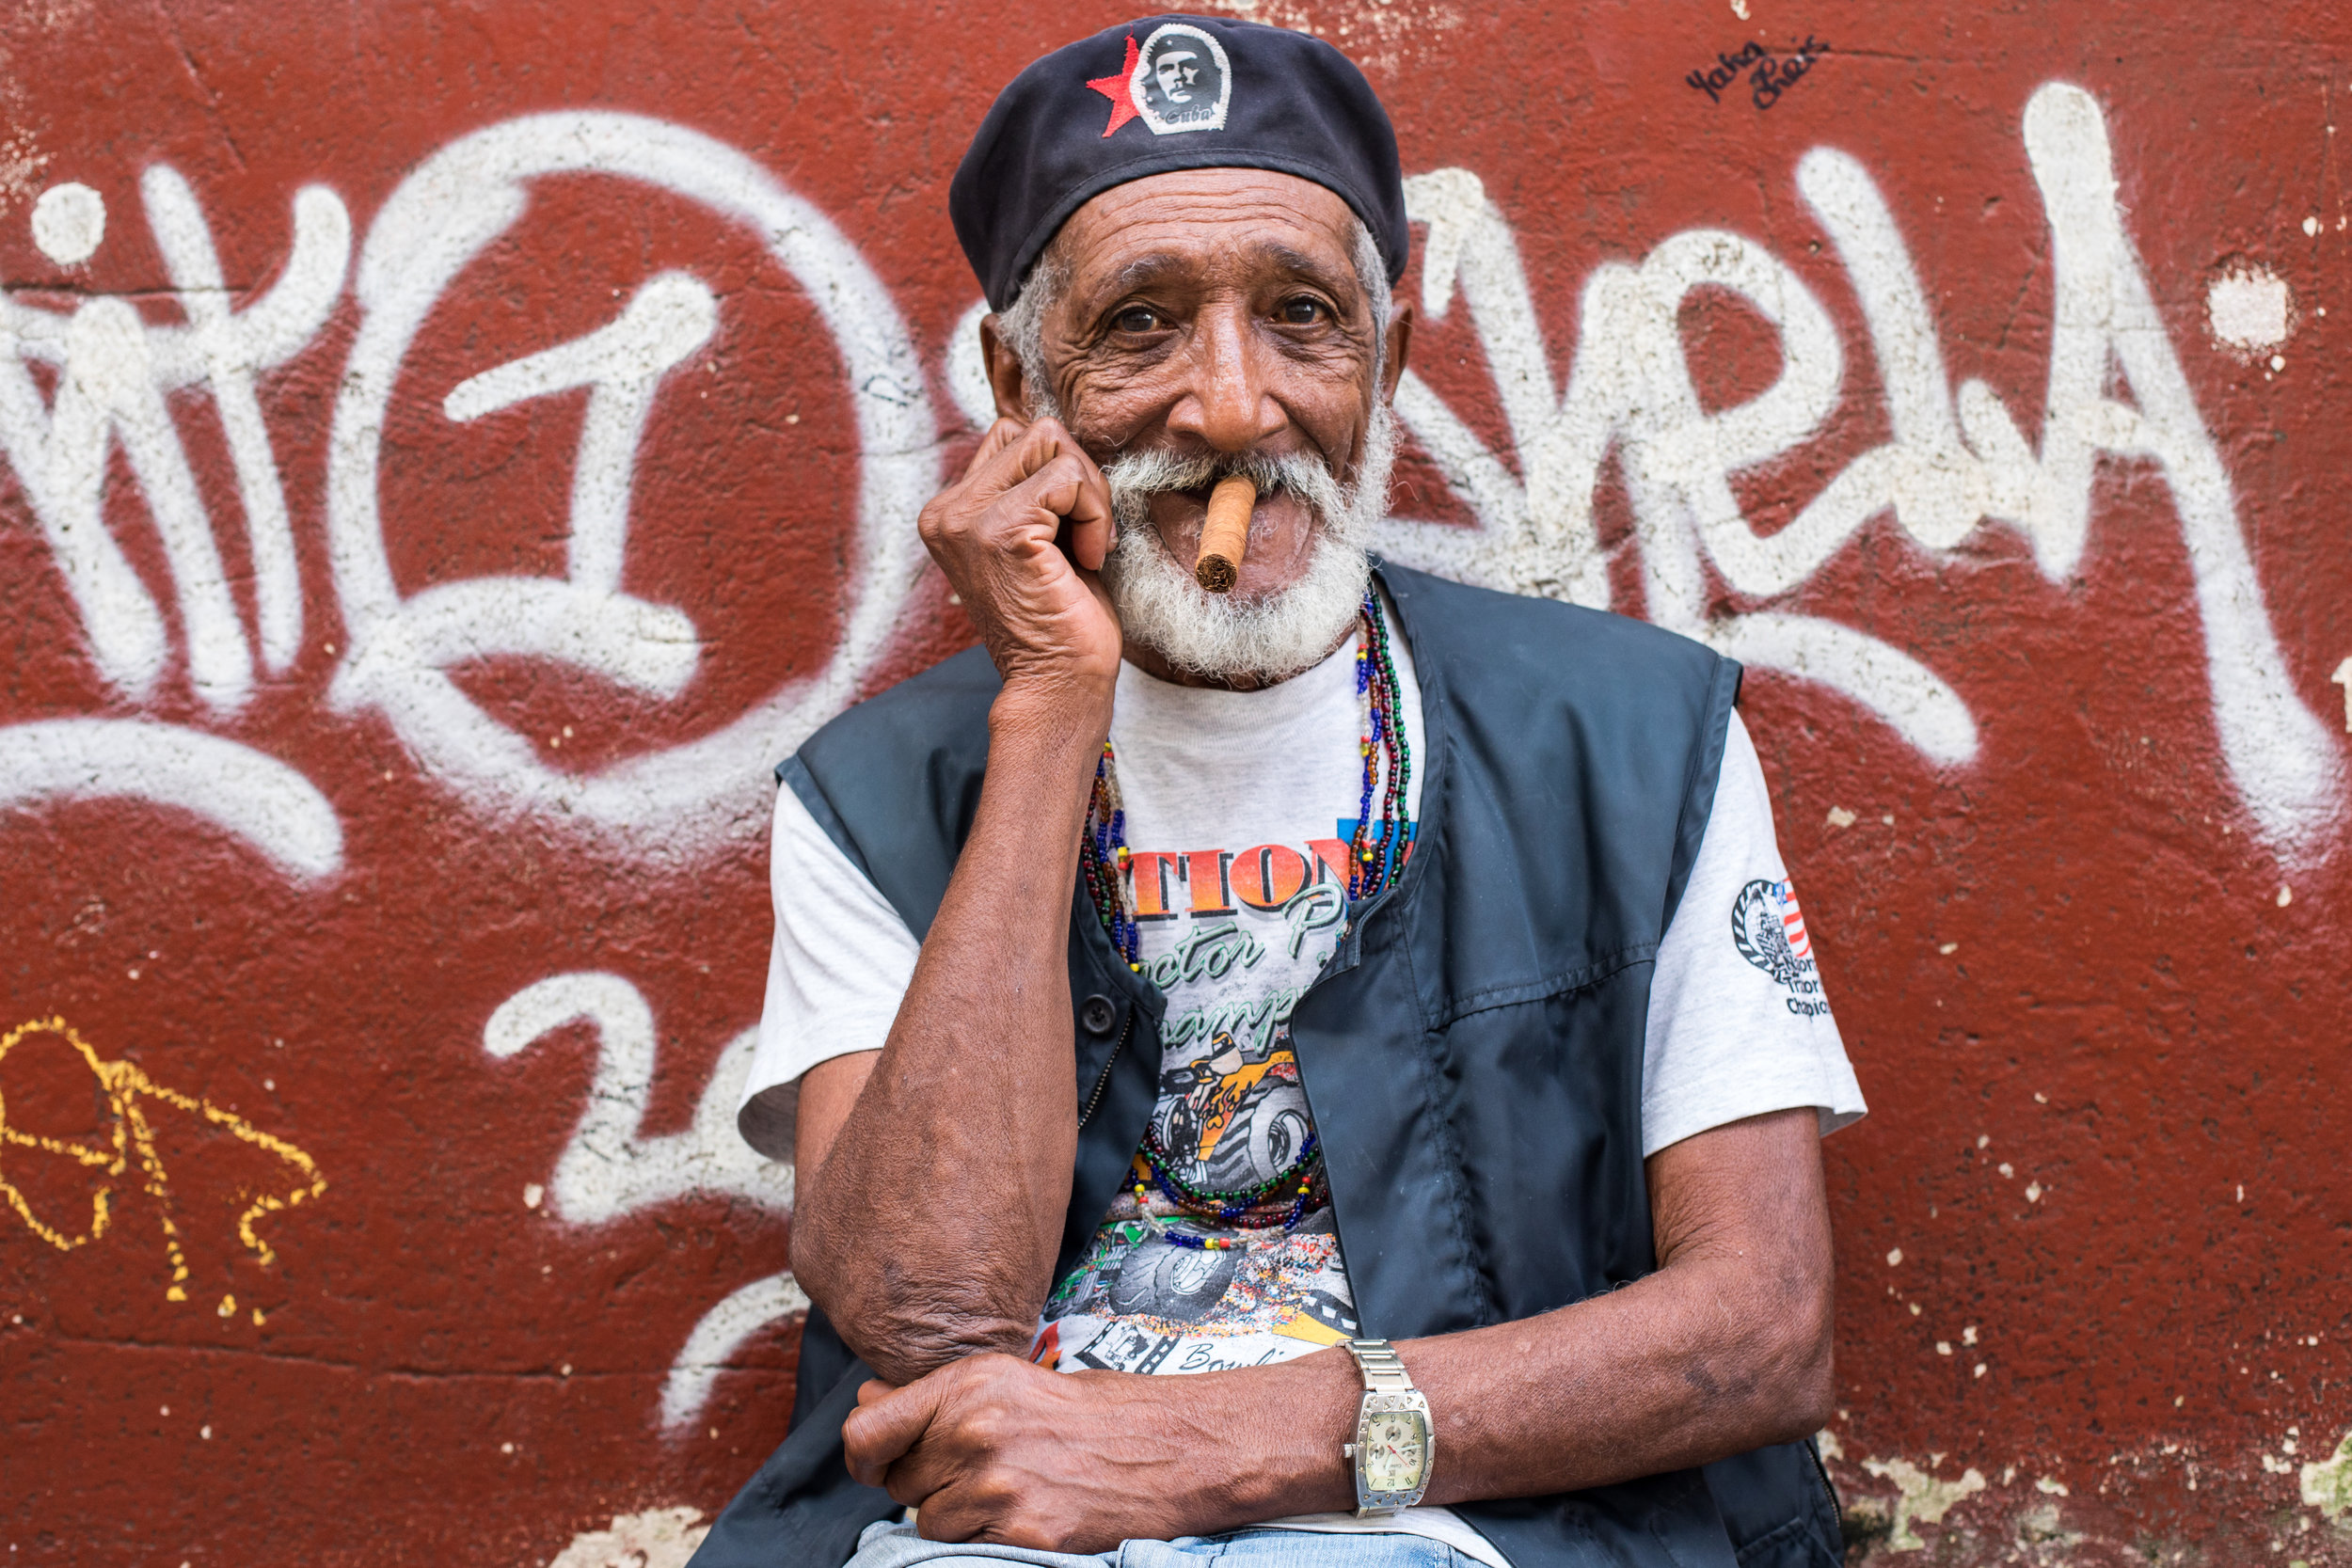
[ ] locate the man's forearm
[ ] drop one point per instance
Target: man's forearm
(960, 1146)
(1726, 1348)
(1682, 1369)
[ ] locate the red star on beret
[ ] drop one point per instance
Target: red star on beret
(1116, 89)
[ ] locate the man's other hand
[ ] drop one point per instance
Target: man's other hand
(995, 1449)
(1020, 537)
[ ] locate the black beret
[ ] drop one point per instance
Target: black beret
(1169, 92)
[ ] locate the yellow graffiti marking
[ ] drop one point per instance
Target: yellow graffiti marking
(129, 1137)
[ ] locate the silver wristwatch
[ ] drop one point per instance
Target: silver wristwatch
(1394, 1445)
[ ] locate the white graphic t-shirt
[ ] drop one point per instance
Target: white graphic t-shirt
(1239, 807)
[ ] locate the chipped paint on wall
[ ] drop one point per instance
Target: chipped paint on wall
(2327, 1483)
(1921, 1497)
(1378, 35)
(656, 1538)
(2251, 309)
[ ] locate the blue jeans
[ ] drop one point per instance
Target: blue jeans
(890, 1545)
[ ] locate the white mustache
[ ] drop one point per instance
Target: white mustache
(1135, 477)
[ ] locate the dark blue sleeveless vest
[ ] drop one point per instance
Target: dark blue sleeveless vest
(1472, 1053)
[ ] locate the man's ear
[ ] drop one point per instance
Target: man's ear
(1006, 377)
(1399, 344)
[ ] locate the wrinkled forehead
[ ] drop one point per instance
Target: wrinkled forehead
(1209, 223)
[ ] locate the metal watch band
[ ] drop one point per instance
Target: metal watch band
(1388, 1389)
(1384, 1372)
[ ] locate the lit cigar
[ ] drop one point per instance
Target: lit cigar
(1225, 535)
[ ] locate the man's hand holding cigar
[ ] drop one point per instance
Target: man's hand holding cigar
(1022, 538)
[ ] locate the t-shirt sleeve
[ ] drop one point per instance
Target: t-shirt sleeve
(1738, 1021)
(836, 972)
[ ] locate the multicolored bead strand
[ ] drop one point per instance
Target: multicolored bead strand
(1257, 1207)
(1383, 742)
(1105, 864)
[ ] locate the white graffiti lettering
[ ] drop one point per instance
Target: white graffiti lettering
(610, 1169)
(245, 792)
(718, 1335)
(114, 371)
(685, 799)
(1943, 474)
(114, 374)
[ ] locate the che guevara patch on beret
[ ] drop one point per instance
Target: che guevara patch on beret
(1164, 93)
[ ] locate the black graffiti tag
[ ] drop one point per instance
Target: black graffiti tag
(1771, 79)
(1713, 79)
(1768, 76)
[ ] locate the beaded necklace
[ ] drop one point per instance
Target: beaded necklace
(1376, 858)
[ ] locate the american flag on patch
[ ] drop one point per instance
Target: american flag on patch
(1792, 920)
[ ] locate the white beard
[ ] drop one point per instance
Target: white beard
(1224, 637)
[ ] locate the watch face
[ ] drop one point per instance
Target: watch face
(1395, 1450)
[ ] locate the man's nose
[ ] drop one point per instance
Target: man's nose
(1229, 405)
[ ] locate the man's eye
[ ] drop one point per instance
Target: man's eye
(1135, 318)
(1301, 312)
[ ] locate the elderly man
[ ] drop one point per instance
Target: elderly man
(1378, 998)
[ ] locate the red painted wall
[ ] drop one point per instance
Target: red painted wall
(389, 858)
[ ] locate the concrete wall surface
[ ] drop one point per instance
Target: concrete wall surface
(450, 450)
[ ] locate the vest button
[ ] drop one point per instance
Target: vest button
(1097, 1014)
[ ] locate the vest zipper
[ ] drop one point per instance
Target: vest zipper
(1102, 1079)
(1829, 1487)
